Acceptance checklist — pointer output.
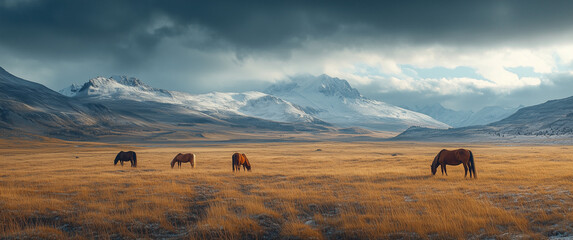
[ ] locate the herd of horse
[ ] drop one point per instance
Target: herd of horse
(444, 157)
(239, 159)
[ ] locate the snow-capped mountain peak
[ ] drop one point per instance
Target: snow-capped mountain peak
(130, 81)
(118, 87)
(335, 101)
(323, 84)
(71, 90)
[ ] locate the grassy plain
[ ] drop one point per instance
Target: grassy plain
(319, 190)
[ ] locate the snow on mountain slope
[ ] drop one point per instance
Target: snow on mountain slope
(306, 99)
(335, 101)
(255, 104)
(71, 90)
(252, 104)
(119, 87)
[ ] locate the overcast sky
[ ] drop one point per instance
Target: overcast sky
(462, 54)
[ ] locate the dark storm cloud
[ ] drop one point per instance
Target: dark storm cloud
(71, 28)
(199, 46)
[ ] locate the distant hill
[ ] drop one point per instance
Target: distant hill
(34, 108)
(454, 118)
(552, 120)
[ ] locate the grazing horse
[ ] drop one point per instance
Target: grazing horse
(183, 158)
(241, 159)
(126, 156)
(455, 157)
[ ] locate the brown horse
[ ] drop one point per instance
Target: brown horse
(126, 156)
(455, 157)
(241, 159)
(183, 158)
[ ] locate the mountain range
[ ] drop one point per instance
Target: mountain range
(125, 106)
(309, 99)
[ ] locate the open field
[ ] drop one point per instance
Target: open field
(320, 190)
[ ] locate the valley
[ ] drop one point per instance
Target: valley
(54, 189)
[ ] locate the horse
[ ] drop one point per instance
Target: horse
(126, 156)
(455, 157)
(241, 159)
(183, 158)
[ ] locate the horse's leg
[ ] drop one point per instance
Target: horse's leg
(121, 162)
(442, 167)
(466, 170)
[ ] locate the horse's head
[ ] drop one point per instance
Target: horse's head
(117, 157)
(435, 163)
(174, 160)
(247, 163)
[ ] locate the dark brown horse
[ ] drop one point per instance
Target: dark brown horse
(455, 157)
(241, 159)
(126, 156)
(183, 158)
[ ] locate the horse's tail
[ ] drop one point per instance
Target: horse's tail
(193, 160)
(472, 164)
(234, 160)
(134, 159)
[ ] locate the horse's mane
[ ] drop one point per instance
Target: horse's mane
(246, 160)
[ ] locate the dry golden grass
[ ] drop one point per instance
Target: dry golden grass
(347, 190)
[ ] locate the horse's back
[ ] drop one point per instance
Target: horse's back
(454, 157)
(462, 153)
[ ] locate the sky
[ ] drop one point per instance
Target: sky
(464, 55)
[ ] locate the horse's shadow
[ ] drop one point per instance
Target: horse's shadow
(402, 178)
